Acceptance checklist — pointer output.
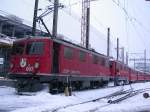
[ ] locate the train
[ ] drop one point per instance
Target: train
(60, 63)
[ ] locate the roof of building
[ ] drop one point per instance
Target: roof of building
(20, 25)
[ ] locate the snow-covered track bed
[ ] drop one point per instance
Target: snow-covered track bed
(122, 94)
(129, 95)
(112, 95)
(95, 100)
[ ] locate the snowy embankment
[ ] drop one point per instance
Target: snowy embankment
(45, 102)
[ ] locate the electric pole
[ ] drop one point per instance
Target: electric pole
(88, 27)
(122, 54)
(117, 49)
(55, 18)
(108, 42)
(126, 58)
(35, 17)
(145, 60)
(140, 63)
(85, 23)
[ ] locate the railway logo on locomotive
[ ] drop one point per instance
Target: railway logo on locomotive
(29, 68)
(23, 62)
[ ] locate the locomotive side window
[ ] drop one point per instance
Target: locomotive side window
(106, 63)
(68, 53)
(117, 66)
(110, 64)
(102, 61)
(95, 59)
(35, 48)
(18, 48)
(82, 56)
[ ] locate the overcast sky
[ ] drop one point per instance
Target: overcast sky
(129, 20)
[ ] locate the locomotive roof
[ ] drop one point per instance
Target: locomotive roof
(67, 43)
(117, 61)
(64, 42)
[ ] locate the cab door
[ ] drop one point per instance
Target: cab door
(55, 59)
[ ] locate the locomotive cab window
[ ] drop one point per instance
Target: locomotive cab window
(68, 53)
(82, 56)
(18, 48)
(35, 48)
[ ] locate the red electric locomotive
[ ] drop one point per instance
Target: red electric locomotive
(37, 60)
(57, 62)
(120, 72)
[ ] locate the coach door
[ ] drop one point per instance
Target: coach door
(56, 49)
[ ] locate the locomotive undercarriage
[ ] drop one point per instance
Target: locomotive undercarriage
(57, 84)
(118, 81)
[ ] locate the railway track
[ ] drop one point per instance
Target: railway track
(128, 95)
(93, 100)
(124, 94)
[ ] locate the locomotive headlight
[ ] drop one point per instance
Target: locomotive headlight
(36, 65)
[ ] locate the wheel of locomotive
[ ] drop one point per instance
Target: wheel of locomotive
(56, 87)
(26, 85)
(77, 85)
(19, 85)
(126, 82)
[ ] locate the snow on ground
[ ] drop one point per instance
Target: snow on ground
(44, 102)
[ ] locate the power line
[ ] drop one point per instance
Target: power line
(130, 17)
(135, 22)
(27, 3)
(138, 33)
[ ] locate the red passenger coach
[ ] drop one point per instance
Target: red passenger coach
(141, 76)
(57, 62)
(147, 77)
(133, 75)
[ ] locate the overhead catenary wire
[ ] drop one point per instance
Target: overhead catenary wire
(138, 26)
(131, 18)
(138, 33)
(139, 14)
(117, 3)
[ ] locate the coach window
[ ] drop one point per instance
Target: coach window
(68, 53)
(35, 48)
(95, 59)
(82, 56)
